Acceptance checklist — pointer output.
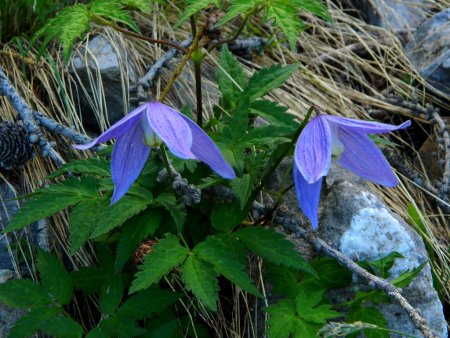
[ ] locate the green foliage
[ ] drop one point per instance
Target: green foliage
(48, 201)
(91, 166)
(300, 317)
(200, 278)
(24, 293)
(195, 6)
(168, 254)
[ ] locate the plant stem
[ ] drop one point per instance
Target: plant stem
(139, 36)
(186, 57)
(166, 161)
(198, 90)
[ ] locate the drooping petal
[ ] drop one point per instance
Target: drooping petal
(117, 129)
(171, 128)
(204, 149)
(128, 158)
(313, 150)
(308, 196)
(362, 157)
(366, 127)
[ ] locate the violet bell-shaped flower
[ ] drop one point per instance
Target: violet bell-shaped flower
(150, 125)
(327, 135)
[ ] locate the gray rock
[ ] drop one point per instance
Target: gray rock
(99, 65)
(429, 50)
(397, 15)
(355, 221)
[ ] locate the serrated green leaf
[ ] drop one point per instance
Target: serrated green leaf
(274, 113)
(24, 293)
(48, 201)
(112, 294)
(226, 216)
(176, 210)
(274, 247)
(215, 251)
(114, 215)
(54, 277)
(231, 79)
(368, 314)
(194, 7)
(142, 5)
(29, 323)
(309, 309)
(89, 279)
(62, 326)
(90, 166)
(237, 125)
(167, 254)
(381, 267)
(200, 278)
(135, 230)
(407, 277)
(267, 79)
(241, 187)
(138, 307)
(112, 10)
(285, 16)
(236, 8)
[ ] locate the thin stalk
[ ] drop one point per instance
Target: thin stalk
(166, 161)
(198, 90)
(139, 36)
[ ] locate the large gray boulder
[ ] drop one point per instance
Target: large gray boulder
(429, 50)
(397, 15)
(355, 221)
(104, 74)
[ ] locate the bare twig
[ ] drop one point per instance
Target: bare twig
(26, 115)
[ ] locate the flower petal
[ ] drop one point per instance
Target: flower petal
(117, 129)
(171, 128)
(128, 158)
(308, 196)
(313, 150)
(204, 149)
(362, 157)
(366, 127)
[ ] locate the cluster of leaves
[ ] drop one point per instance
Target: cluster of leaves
(72, 22)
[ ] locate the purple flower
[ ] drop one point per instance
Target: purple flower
(346, 138)
(150, 125)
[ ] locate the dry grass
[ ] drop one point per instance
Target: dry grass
(348, 68)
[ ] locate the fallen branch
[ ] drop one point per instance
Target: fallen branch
(35, 135)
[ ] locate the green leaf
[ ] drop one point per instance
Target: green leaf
(134, 231)
(231, 79)
(274, 247)
(241, 187)
(236, 8)
(200, 278)
(369, 314)
(138, 307)
(112, 10)
(142, 5)
(54, 277)
(274, 113)
(90, 166)
(267, 79)
(89, 279)
(114, 215)
(226, 216)
(112, 294)
(407, 277)
(215, 251)
(24, 293)
(176, 210)
(381, 266)
(194, 7)
(309, 309)
(48, 201)
(168, 253)
(237, 125)
(62, 326)
(30, 322)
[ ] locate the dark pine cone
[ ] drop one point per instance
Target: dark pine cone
(15, 147)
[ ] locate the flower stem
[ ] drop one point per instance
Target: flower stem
(166, 161)
(186, 57)
(198, 85)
